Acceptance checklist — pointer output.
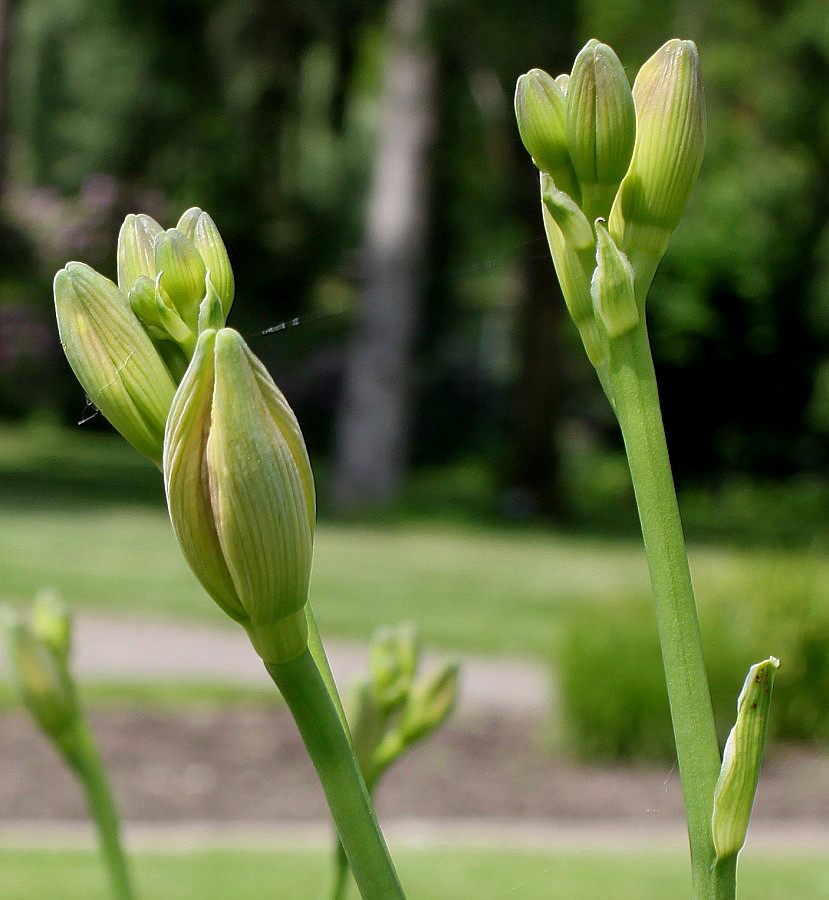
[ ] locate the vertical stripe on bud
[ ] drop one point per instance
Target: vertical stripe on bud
(601, 125)
(113, 357)
(670, 143)
(240, 493)
(742, 758)
(612, 286)
(541, 111)
(135, 254)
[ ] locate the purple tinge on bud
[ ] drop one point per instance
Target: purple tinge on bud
(240, 493)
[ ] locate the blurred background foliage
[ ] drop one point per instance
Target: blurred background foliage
(267, 114)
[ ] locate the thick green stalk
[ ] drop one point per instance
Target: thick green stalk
(637, 407)
(86, 761)
(330, 750)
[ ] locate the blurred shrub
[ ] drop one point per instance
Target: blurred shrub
(613, 696)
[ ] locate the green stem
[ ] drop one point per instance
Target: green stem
(637, 408)
(330, 750)
(86, 760)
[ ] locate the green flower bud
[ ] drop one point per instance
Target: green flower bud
(52, 624)
(670, 142)
(563, 81)
(113, 357)
(431, 700)
(211, 311)
(742, 758)
(42, 684)
(568, 216)
(202, 231)
(601, 125)
(575, 287)
(161, 320)
(136, 256)
(393, 658)
(612, 286)
(181, 273)
(368, 725)
(240, 493)
(540, 110)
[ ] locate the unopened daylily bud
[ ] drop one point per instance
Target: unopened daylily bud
(241, 494)
(612, 286)
(161, 320)
(136, 256)
(575, 287)
(742, 758)
(601, 125)
(540, 110)
(52, 624)
(670, 142)
(42, 683)
(430, 702)
(367, 724)
(568, 216)
(393, 657)
(211, 311)
(113, 357)
(200, 228)
(181, 274)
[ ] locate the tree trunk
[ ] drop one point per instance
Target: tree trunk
(374, 416)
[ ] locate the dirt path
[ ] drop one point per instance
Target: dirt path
(146, 649)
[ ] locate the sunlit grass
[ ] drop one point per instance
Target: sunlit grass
(428, 875)
(87, 517)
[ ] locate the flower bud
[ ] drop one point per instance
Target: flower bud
(431, 700)
(601, 125)
(393, 657)
(575, 287)
(161, 320)
(52, 624)
(42, 684)
(742, 758)
(113, 357)
(200, 228)
(181, 274)
(135, 255)
(568, 216)
(540, 110)
(670, 142)
(612, 286)
(241, 494)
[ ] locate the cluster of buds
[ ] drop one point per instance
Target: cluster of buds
(617, 167)
(129, 344)
(154, 356)
(395, 707)
(38, 650)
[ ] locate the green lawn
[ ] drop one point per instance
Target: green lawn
(87, 517)
(427, 875)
